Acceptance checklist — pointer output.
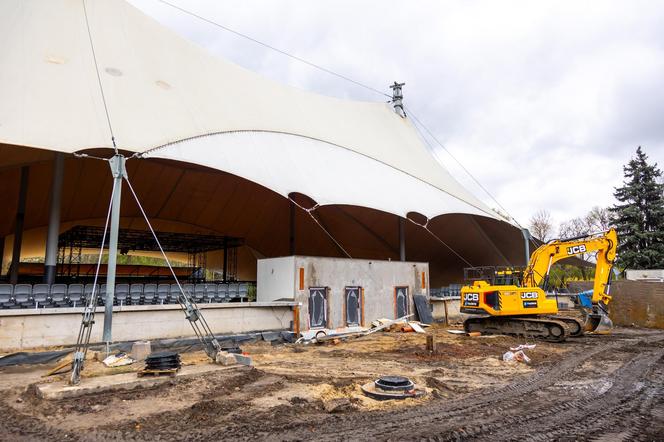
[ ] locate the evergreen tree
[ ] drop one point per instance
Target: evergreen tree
(639, 215)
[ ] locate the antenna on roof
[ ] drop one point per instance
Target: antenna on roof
(397, 99)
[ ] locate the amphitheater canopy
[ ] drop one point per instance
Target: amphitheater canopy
(170, 99)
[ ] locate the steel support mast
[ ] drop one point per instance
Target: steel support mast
(119, 172)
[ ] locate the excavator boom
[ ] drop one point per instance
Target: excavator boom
(605, 244)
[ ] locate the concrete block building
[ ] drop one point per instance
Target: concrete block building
(338, 292)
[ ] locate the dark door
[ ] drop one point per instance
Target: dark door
(317, 307)
(401, 301)
(353, 306)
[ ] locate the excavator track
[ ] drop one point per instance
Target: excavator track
(576, 326)
(554, 330)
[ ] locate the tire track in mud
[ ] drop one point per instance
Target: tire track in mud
(585, 416)
(450, 421)
(25, 428)
(533, 407)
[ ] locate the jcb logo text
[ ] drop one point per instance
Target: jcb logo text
(576, 249)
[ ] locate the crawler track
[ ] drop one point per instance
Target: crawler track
(552, 329)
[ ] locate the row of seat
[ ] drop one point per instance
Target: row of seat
(76, 295)
(452, 291)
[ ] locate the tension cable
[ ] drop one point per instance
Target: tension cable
(337, 243)
(83, 340)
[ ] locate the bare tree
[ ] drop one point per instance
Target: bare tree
(541, 226)
(574, 227)
(598, 219)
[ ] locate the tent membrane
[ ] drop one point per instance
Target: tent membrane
(189, 114)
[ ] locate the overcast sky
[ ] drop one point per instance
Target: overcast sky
(543, 101)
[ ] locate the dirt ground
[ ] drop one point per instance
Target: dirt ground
(605, 388)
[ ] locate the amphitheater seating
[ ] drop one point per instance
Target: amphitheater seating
(23, 296)
(163, 293)
(210, 293)
(121, 295)
(149, 294)
(101, 295)
(6, 295)
(75, 294)
(41, 293)
(26, 296)
(136, 294)
(199, 293)
(87, 292)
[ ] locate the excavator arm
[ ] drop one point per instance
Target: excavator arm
(546, 255)
(605, 244)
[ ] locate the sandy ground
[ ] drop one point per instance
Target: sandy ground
(609, 387)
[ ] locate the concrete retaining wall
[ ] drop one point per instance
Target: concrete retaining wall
(634, 302)
(23, 329)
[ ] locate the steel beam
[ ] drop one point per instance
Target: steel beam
(18, 225)
(526, 243)
(225, 274)
(118, 171)
(51, 257)
(2, 252)
(291, 228)
(402, 239)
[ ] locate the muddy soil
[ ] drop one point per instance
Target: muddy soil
(592, 388)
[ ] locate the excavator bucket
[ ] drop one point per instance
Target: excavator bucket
(598, 322)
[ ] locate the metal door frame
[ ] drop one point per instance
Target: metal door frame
(360, 306)
(396, 306)
(326, 304)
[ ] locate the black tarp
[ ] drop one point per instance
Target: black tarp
(179, 345)
(423, 309)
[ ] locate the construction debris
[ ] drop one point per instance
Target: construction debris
(166, 360)
(517, 353)
(225, 358)
(518, 356)
(343, 334)
(417, 328)
(141, 350)
(406, 328)
(118, 360)
(523, 347)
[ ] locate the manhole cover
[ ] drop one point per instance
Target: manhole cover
(392, 387)
(394, 383)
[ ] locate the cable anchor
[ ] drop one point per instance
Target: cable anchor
(397, 99)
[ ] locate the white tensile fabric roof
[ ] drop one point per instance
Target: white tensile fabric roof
(171, 99)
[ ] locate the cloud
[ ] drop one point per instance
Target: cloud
(543, 101)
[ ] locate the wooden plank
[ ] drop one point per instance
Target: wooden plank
(416, 327)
